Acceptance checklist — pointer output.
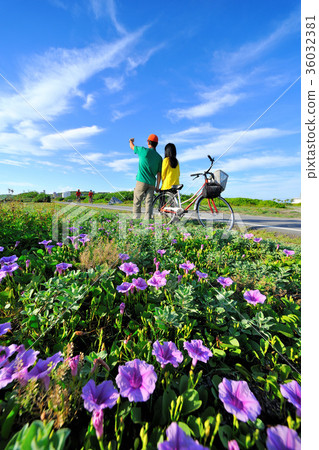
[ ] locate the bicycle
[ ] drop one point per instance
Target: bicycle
(209, 211)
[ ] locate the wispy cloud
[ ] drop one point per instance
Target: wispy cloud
(233, 61)
(10, 162)
(265, 161)
(114, 84)
(122, 165)
(212, 102)
(63, 140)
(102, 8)
(225, 138)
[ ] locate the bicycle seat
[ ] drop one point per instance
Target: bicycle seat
(177, 187)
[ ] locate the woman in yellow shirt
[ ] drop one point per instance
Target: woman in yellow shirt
(170, 168)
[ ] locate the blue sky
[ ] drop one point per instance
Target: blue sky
(81, 77)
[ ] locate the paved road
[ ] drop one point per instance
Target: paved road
(278, 224)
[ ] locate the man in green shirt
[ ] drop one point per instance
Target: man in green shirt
(149, 174)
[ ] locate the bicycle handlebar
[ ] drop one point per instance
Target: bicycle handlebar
(206, 171)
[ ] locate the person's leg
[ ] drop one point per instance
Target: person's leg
(149, 201)
(138, 197)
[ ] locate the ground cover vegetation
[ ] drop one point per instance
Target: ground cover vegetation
(146, 336)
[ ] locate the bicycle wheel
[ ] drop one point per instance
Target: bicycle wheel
(161, 205)
(216, 213)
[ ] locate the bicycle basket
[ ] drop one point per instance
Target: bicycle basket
(221, 178)
(212, 190)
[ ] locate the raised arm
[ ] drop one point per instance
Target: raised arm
(132, 143)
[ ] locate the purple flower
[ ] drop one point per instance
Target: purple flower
(201, 275)
(187, 266)
(10, 269)
(124, 287)
(174, 241)
(258, 240)
(158, 279)
(167, 353)
(136, 380)
(179, 277)
(62, 266)
(1, 249)
(129, 268)
(139, 283)
(45, 243)
(124, 256)
(281, 438)
(4, 328)
(16, 244)
(197, 351)
(73, 364)
(254, 297)
(5, 353)
(27, 263)
(122, 308)
(18, 368)
(49, 248)
(292, 392)
(288, 252)
(225, 281)
(97, 420)
(43, 368)
(161, 252)
(239, 400)
(99, 397)
(2, 275)
(73, 229)
(84, 239)
(233, 445)
(178, 439)
(157, 263)
(248, 236)
(59, 244)
(7, 260)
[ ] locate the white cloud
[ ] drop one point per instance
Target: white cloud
(114, 84)
(9, 162)
(68, 138)
(122, 165)
(230, 141)
(102, 8)
(89, 101)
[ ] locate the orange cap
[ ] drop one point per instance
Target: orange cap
(153, 138)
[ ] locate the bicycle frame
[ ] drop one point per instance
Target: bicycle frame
(196, 196)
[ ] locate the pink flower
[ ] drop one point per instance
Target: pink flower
(254, 297)
(73, 364)
(136, 380)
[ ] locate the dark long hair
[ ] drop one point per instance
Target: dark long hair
(170, 152)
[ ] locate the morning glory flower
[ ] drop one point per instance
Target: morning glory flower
(10, 269)
(292, 392)
(96, 398)
(5, 353)
(7, 260)
(45, 243)
(178, 439)
(248, 236)
(73, 229)
(167, 353)
(197, 351)
(254, 297)
(59, 244)
(174, 241)
(158, 279)
(18, 368)
(239, 400)
(161, 252)
(281, 438)
(129, 268)
(27, 263)
(139, 283)
(43, 368)
(225, 281)
(1, 249)
(124, 287)
(233, 445)
(136, 380)
(288, 252)
(187, 266)
(201, 275)
(16, 244)
(73, 364)
(49, 248)
(97, 421)
(2, 275)
(258, 240)
(122, 308)
(62, 266)
(157, 264)
(124, 256)
(5, 327)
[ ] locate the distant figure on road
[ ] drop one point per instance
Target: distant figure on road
(91, 196)
(149, 173)
(78, 196)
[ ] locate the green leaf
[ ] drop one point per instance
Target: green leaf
(191, 401)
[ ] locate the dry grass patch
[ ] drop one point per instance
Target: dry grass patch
(99, 253)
